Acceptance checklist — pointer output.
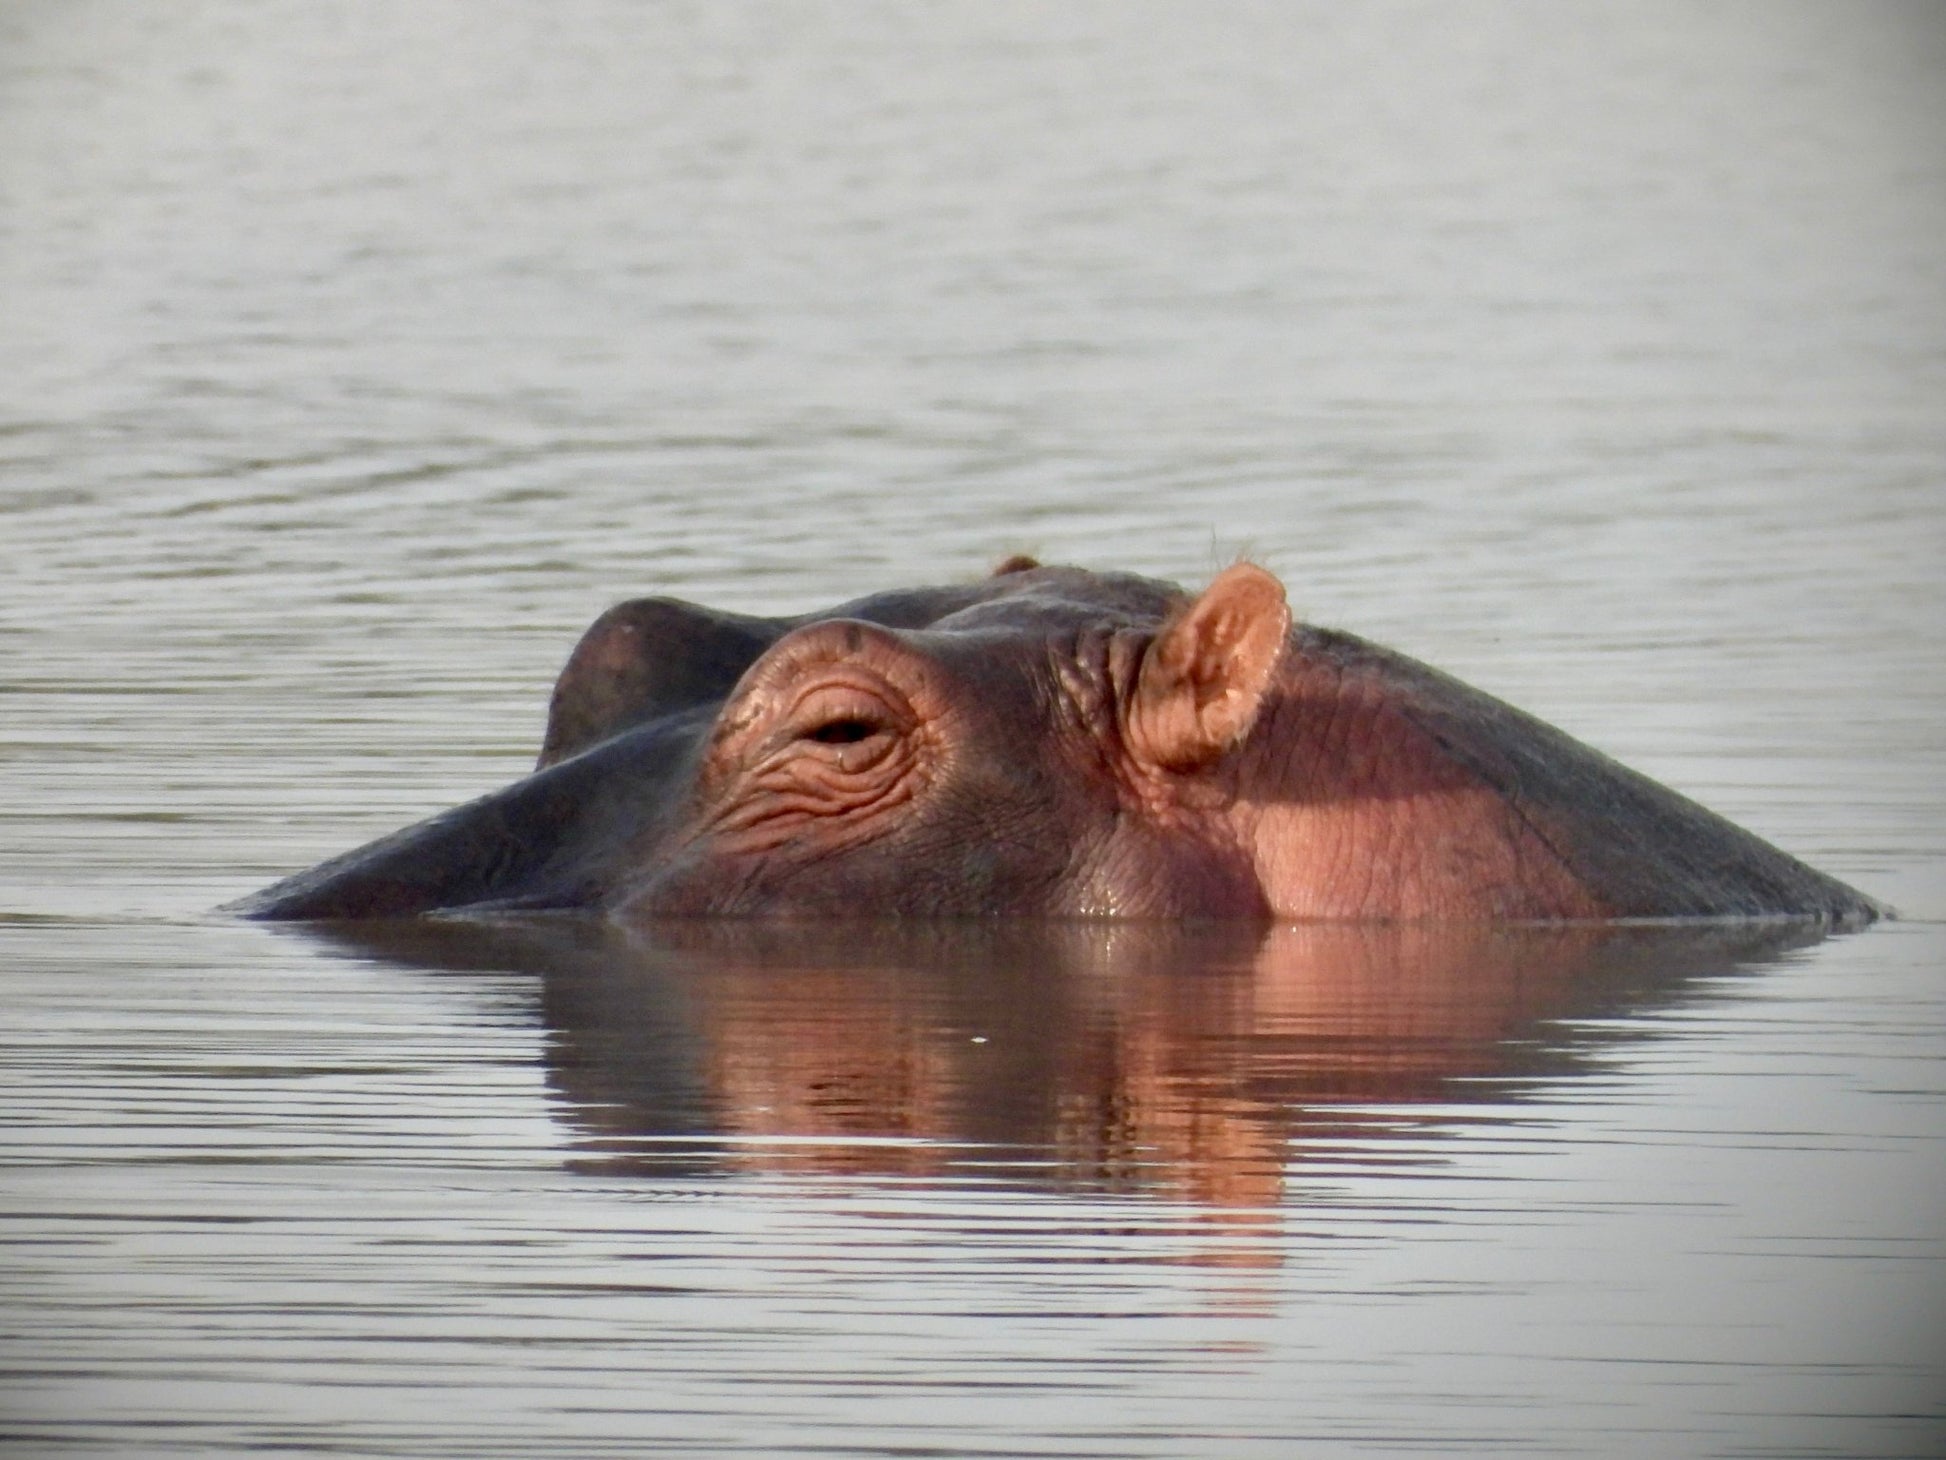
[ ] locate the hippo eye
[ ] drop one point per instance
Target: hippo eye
(841, 715)
(841, 744)
(848, 731)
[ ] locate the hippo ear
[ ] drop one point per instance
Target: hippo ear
(644, 659)
(1206, 675)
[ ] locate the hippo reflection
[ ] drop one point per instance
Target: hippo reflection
(1054, 742)
(1200, 1061)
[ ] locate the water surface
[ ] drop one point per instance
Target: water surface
(356, 357)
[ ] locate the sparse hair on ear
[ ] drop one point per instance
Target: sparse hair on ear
(1208, 671)
(1015, 563)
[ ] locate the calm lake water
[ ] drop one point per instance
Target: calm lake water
(353, 357)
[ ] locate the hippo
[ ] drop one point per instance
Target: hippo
(1053, 742)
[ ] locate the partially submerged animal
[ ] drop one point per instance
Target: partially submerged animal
(1054, 742)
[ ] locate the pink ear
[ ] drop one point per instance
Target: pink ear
(1206, 675)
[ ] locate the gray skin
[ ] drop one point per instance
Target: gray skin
(1054, 742)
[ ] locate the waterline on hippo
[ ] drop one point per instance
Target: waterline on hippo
(1054, 742)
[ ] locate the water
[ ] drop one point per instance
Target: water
(354, 358)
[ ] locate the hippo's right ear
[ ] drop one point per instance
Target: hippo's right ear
(1206, 676)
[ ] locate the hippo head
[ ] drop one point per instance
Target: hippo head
(1052, 742)
(1043, 749)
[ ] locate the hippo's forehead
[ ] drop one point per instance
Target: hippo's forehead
(655, 657)
(1037, 602)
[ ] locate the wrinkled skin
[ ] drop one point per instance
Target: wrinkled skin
(1054, 742)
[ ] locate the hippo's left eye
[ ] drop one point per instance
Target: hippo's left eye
(844, 714)
(846, 731)
(843, 742)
